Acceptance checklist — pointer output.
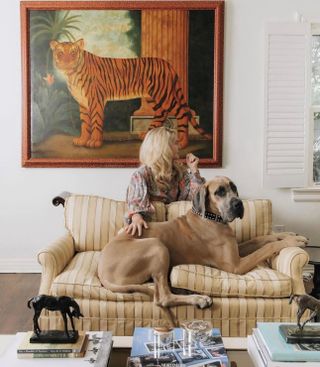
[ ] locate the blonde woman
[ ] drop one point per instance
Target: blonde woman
(160, 177)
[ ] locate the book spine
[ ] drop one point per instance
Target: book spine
(49, 355)
(104, 350)
(260, 337)
(254, 352)
(259, 348)
(135, 361)
(44, 351)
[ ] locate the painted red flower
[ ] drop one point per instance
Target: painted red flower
(49, 78)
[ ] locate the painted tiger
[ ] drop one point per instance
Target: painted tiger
(94, 80)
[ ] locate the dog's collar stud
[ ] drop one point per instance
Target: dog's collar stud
(208, 215)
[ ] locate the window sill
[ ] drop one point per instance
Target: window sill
(306, 194)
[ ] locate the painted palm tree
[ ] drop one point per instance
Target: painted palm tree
(52, 25)
(54, 110)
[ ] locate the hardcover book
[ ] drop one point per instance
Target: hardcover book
(260, 357)
(96, 354)
(145, 352)
(269, 334)
(26, 347)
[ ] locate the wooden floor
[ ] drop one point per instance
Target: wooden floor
(15, 290)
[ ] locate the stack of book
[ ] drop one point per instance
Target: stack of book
(145, 351)
(96, 345)
(50, 350)
(268, 348)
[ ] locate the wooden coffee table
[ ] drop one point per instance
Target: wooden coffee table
(236, 350)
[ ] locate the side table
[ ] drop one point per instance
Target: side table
(314, 254)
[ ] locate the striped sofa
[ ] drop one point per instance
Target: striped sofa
(69, 267)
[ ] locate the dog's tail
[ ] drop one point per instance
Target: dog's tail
(292, 298)
(29, 302)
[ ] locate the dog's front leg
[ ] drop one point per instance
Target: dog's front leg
(248, 247)
(247, 263)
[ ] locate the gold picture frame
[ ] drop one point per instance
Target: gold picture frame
(186, 36)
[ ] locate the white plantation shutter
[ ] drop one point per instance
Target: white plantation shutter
(286, 105)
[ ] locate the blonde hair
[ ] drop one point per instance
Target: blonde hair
(156, 152)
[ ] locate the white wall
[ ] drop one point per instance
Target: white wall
(28, 221)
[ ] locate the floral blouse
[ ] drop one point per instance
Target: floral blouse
(143, 190)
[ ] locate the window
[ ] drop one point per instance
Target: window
(315, 101)
(292, 109)
(286, 146)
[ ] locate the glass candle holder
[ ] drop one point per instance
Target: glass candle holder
(194, 332)
(162, 337)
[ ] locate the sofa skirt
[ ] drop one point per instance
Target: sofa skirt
(233, 316)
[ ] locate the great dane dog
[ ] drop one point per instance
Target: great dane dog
(202, 236)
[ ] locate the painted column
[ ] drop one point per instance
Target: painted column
(165, 34)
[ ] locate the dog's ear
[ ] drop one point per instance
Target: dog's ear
(199, 200)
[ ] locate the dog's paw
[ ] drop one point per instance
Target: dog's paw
(283, 235)
(204, 301)
(299, 241)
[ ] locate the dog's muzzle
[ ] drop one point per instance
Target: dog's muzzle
(236, 208)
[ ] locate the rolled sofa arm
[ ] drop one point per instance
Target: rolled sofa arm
(290, 261)
(54, 259)
(61, 198)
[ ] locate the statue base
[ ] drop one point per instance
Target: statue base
(293, 334)
(55, 337)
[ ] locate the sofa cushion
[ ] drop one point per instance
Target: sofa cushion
(259, 282)
(79, 280)
(93, 221)
(257, 219)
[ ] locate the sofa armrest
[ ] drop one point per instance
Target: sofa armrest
(290, 261)
(54, 259)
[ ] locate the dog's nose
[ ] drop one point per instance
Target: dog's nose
(237, 207)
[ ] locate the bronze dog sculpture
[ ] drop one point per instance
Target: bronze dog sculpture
(202, 236)
(305, 302)
(51, 303)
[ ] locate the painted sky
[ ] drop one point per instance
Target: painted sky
(104, 32)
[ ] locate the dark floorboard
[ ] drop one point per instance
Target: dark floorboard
(15, 290)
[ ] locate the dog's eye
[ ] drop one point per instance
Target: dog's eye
(233, 187)
(221, 191)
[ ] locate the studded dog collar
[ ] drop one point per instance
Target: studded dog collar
(208, 215)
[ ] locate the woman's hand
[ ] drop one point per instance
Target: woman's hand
(192, 162)
(136, 225)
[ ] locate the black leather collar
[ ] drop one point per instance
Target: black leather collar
(208, 215)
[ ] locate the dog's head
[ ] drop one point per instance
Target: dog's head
(219, 196)
(76, 313)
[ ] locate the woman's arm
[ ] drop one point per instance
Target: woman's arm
(191, 180)
(138, 200)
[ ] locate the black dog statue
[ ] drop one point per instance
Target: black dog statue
(63, 304)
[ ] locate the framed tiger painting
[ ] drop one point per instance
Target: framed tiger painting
(98, 75)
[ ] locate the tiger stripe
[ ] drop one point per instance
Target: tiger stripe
(93, 80)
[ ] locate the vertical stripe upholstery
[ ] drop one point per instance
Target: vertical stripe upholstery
(233, 316)
(257, 220)
(178, 208)
(93, 221)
